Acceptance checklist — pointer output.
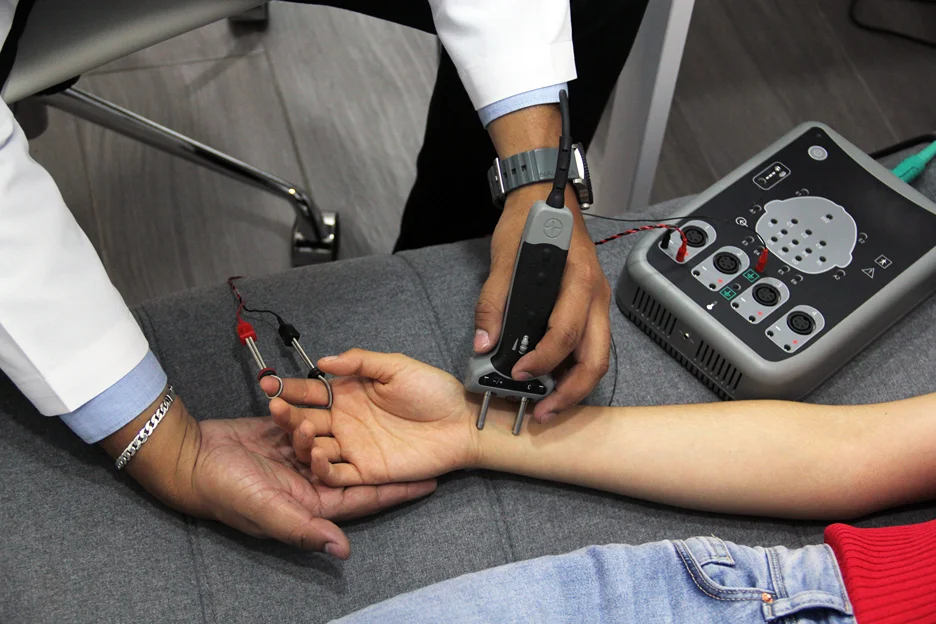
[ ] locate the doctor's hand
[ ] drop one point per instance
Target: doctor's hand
(579, 329)
(393, 419)
(243, 472)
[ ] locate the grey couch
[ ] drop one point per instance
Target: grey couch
(80, 543)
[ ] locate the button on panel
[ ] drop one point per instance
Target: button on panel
(817, 152)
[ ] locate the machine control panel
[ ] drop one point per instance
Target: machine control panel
(836, 236)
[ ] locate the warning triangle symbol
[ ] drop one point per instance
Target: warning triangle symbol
(869, 272)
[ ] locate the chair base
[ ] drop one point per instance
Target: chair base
(306, 251)
(315, 233)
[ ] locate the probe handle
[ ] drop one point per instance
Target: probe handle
(534, 287)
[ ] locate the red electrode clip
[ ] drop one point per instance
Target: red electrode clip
(244, 331)
(683, 249)
(761, 262)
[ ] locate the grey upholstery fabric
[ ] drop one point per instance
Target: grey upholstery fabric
(83, 544)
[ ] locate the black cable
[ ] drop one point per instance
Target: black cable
(279, 319)
(556, 197)
(243, 305)
(899, 147)
(853, 16)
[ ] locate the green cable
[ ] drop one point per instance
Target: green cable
(911, 167)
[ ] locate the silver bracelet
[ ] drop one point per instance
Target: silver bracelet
(147, 430)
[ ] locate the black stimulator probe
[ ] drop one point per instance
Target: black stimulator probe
(534, 288)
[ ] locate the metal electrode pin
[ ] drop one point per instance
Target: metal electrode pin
(484, 408)
(518, 424)
(302, 354)
(255, 352)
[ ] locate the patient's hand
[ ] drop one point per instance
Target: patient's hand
(393, 419)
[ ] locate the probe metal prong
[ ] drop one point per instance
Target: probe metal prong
(314, 373)
(518, 424)
(484, 408)
(264, 371)
(255, 352)
(302, 354)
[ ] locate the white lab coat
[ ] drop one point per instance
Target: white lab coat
(66, 334)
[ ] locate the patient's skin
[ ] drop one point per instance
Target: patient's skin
(397, 420)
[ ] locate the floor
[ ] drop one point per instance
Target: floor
(336, 102)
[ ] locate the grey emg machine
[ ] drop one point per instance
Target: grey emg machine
(851, 251)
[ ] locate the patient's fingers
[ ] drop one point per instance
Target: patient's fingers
(360, 363)
(289, 417)
(330, 446)
(334, 475)
(303, 439)
(298, 391)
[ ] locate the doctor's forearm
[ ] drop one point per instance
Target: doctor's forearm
(164, 463)
(526, 129)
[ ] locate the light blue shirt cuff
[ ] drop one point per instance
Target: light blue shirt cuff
(545, 95)
(119, 404)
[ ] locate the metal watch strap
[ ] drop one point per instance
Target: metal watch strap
(147, 429)
(534, 166)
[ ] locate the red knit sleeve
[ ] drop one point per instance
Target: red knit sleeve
(889, 573)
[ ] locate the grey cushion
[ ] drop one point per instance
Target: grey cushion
(83, 544)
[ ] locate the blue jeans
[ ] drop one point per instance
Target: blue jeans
(699, 580)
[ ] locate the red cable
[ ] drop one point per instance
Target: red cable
(244, 329)
(237, 294)
(683, 248)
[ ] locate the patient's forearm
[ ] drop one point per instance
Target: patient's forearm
(764, 458)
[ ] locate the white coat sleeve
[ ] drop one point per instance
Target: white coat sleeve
(503, 48)
(66, 335)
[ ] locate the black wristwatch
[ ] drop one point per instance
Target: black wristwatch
(539, 165)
